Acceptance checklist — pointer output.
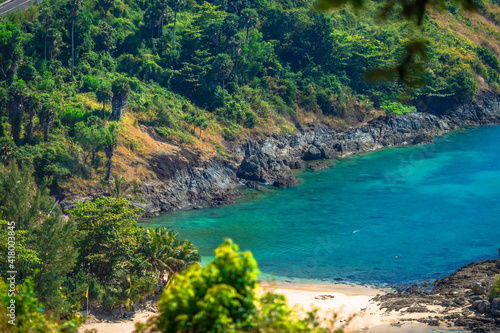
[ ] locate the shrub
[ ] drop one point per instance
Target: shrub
(28, 313)
(398, 108)
(495, 289)
(90, 83)
(222, 297)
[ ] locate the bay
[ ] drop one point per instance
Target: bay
(391, 217)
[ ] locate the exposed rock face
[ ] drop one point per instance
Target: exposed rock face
(184, 182)
(266, 169)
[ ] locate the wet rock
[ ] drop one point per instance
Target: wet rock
(297, 164)
(318, 166)
(423, 139)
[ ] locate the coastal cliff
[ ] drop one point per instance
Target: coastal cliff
(185, 181)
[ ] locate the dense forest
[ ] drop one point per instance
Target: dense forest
(78, 79)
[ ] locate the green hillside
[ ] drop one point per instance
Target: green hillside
(201, 73)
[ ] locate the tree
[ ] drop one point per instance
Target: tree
(75, 6)
(223, 66)
(28, 316)
(109, 235)
(33, 107)
(104, 37)
(119, 186)
(230, 26)
(109, 141)
(17, 105)
(11, 51)
(121, 90)
(201, 122)
(28, 257)
(249, 19)
(104, 96)
(31, 209)
(222, 297)
(151, 19)
(413, 11)
(90, 139)
(176, 6)
(46, 18)
(106, 6)
(47, 115)
(4, 103)
(164, 253)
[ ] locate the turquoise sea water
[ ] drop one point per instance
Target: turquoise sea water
(391, 217)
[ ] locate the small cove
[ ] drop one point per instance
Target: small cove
(392, 217)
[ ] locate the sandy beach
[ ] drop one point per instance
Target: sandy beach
(343, 300)
(349, 301)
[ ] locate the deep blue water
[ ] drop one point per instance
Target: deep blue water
(391, 217)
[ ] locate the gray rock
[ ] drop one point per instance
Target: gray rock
(495, 307)
(475, 304)
(312, 153)
(474, 298)
(479, 289)
(483, 307)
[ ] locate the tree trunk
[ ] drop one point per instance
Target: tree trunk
(45, 44)
(16, 117)
(29, 127)
(110, 151)
(72, 46)
(175, 22)
(162, 19)
(47, 130)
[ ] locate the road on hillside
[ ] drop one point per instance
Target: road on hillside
(14, 5)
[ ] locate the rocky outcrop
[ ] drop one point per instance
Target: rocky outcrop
(183, 181)
(462, 298)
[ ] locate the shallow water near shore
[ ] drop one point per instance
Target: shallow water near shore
(391, 217)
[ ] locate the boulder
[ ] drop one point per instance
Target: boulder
(495, 307)
(266, 169)
(312, 153)
(475, 304)
(483, 307)
(479, 289)
(297, 164)
(474, 298)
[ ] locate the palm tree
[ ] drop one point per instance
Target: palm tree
(176, 6)
(104, 96)
(249, 19)
(164, 253)
(119, 187)
(75, 6)
(33, 107)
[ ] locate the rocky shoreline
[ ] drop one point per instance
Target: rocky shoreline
(459, 300)
(186, 183)
(184, 180)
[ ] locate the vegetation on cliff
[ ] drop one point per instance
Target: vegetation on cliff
(82, 81)
(80, 78)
